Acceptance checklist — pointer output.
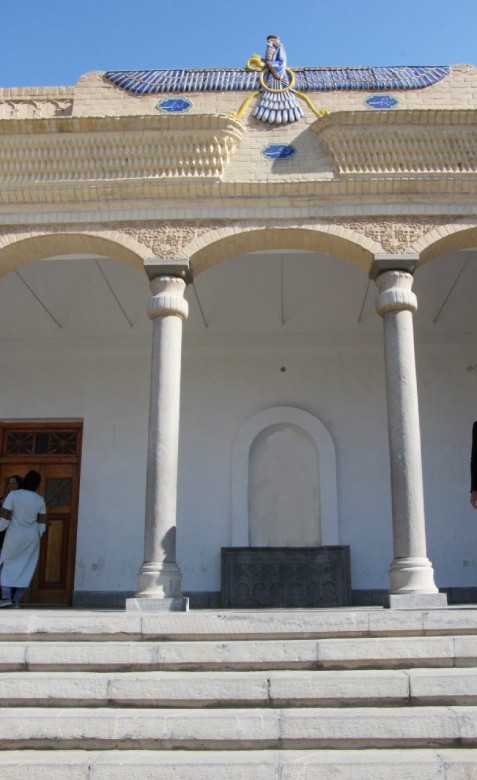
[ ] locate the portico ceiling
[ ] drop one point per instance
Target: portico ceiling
(263, 296)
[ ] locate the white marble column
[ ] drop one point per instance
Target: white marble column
(159, 578)
(411, 573)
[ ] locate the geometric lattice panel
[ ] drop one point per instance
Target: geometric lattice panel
(55, 442)
(58, 491)
(286, 576)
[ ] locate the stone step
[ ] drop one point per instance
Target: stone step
(430, 764)
(440, 687)
(37, 624)
(385, 652)
(355, 694)
(243, 729)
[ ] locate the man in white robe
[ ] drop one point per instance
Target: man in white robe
(25, 512)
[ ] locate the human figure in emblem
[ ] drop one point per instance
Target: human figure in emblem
(277, 103)
(276, 59)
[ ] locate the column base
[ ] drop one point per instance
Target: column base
(415, 601)
(159, 581)
(412, 576)
(180, 604)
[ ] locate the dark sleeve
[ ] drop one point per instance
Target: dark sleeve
(473, 459)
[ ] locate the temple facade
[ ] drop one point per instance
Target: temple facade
(238, 310)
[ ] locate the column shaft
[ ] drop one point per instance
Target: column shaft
(404, 436)
(163, 440)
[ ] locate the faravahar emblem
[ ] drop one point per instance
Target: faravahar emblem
(277, 97)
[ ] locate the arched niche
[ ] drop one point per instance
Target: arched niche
(283, 433)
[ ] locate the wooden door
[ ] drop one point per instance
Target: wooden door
(53, 449)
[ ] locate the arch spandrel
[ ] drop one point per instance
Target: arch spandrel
(445, 239)
(216, 245)
(208, 247)
(17, 249)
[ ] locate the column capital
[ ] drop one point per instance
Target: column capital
(395, 292)
(403, 262)
(171, 266)
(167, 297)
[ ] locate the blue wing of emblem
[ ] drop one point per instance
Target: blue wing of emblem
(148, 82)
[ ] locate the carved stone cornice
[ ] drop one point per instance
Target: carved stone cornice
(99, 149)
(413, 142)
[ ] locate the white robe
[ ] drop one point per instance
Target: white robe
(21, 547)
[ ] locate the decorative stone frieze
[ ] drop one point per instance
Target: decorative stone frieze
(167, 240)
(414, 142)
(185, 238)
(163, 239)
(395, 236)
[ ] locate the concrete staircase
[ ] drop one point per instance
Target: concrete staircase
(298, 695)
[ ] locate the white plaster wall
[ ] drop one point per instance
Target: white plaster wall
(448, 404)
(223, 386)
(108, 388)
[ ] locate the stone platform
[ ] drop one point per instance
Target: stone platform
(348, 693)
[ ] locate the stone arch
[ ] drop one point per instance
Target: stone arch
(216, 245)
(444, 239)
(326, 457)
(17, 249)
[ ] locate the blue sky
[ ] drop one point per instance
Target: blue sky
(52, 42)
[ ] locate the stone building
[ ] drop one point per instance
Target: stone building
(318, 272)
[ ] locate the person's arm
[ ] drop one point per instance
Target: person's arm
(6, 510)
(42, 524)
(473, 468)
(41, 516)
